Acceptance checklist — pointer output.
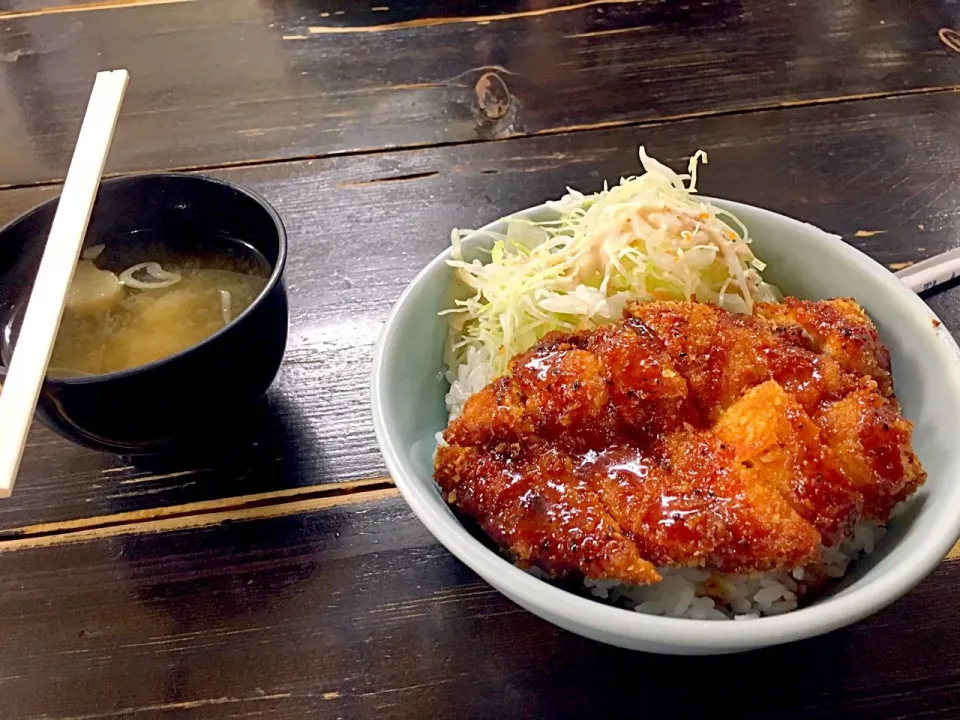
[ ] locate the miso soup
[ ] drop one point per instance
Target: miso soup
(142, 298)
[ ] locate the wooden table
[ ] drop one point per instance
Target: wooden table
(294, 582)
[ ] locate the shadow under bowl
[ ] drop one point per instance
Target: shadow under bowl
(408, 389)
(191, 395)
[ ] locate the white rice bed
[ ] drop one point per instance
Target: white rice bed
(702, 594)
(695, 593)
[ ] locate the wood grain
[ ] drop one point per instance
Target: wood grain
(356, 612)
(197, 514)
(361, 228)
(200, 515)
(950, 37)
(33, 8)
(236, 81)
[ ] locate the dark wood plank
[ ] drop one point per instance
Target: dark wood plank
(353, 611)
(228, 81)
(361, 228)
(30, 8)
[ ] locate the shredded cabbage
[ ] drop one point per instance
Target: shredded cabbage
(647, 238)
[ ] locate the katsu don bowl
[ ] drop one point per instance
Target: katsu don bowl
(879, 560)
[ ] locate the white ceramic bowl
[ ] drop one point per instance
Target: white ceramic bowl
(408, 410)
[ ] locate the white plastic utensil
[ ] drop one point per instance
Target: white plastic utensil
(931, 272)
(28, 366)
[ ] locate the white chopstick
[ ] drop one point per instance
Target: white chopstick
(934, 271)
(28, 366)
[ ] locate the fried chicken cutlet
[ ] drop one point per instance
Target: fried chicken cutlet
(684, 436)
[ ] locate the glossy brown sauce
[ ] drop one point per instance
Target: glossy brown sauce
(683, 435)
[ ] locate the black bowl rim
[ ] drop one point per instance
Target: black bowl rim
(272, 282)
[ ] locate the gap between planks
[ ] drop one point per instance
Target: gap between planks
(466, 20)
(560, 130)
(199, 514)
(86, 7)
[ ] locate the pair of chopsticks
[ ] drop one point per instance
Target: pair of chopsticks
(45, 307)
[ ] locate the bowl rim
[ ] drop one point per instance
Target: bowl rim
(276, 273)
(682, 634)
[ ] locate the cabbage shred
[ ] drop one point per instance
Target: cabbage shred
(646, 238)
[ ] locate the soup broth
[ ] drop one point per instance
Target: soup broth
(143, 298)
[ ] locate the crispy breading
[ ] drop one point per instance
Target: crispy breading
(723, 354)
(531, 502)
(684, 435)
(871, 441)
(837, 328)
(779, 445)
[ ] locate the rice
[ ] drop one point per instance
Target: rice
(700, 594)
(470, 376)
(694, 593)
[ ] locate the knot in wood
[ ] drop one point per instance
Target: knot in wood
(493, 97)
(950, 38)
